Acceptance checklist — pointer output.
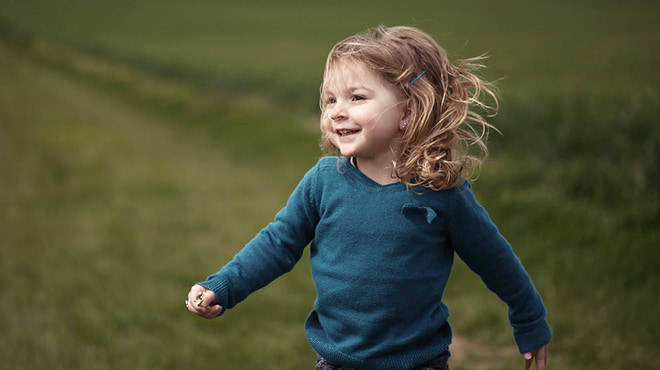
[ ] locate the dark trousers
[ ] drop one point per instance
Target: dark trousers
(438, 363)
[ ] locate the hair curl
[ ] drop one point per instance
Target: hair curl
(445, 136)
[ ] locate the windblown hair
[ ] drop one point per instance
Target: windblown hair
(445, 139)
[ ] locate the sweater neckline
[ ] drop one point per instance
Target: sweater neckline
(364, 180)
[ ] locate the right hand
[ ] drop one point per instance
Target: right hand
(209, 308)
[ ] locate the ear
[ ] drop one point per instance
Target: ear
(405, 119)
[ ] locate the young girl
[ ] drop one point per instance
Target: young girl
(386, 216)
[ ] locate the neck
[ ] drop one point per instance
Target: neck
(380, 173)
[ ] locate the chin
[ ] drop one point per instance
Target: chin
(346, 153)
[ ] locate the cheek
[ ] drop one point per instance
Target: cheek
(326, 130)
(368, 120)
(326, 126)
(385, 124)
(379, 116)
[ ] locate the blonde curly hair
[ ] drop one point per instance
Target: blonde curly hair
(446, 136)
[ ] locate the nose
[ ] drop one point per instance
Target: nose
(337, 111)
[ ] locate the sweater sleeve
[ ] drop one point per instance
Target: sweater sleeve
(273, 252)
(478, 242)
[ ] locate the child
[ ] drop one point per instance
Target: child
(385, 217)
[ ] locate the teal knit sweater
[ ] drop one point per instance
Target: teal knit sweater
(381, 257)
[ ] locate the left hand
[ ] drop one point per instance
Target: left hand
(541, 356)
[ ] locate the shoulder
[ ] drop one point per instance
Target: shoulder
(458, 192)
(322, 165)
(330, 162)
(329, 166)
(325, 168)
(459, 199)
(462, 198)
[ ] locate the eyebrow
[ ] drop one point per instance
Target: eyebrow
(360, 87)
(350, 89)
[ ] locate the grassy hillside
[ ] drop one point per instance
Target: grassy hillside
(143, 143)
(279, 47)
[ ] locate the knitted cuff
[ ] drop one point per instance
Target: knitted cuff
(536, 338)
(221, 289)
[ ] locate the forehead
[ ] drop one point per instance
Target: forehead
(346, 75)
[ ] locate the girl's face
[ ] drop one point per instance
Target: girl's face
(362, 114)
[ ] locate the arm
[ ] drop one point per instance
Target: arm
(272, 253)
(480, 245)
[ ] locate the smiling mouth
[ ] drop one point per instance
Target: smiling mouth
(343, 133)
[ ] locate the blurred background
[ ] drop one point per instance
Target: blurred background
(143, 143)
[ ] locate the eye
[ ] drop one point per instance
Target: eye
(331, 100)
(357, 97)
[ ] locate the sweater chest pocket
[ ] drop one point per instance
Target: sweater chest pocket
(416, 213)
(422, 221)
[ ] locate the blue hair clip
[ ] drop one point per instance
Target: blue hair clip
(416, 78)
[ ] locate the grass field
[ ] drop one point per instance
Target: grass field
(143, 143)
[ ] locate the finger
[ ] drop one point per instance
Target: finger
(542, 358)
(213, 312)
(194, 292)
(528, 360)
(540, 364)
(209, 312)
(193, 299)
(192, 307)
(209, 299)
(199, 311)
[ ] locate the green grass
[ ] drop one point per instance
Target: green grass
(108, 218)
(136, 157)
